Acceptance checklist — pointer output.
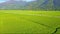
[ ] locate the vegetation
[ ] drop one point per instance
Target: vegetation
(29, 22)
(22, 17)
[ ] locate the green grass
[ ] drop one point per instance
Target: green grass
(29, 22)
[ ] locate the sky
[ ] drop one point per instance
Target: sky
(1, 1)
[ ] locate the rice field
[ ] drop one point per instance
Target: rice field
(29, 22)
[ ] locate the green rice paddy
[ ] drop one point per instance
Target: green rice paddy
(29, 22)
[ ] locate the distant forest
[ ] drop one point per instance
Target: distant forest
(32, 5)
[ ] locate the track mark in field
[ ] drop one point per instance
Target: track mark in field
(45, 26)
(56, 30)
(38, 23)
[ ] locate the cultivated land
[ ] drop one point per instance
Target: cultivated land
(29, 22)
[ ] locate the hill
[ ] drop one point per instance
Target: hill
(13, 5)
(33, 5)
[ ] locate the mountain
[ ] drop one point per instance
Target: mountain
(33, 5)
(13, 5)
(56, 4)
(45, 5)
(41, 5)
